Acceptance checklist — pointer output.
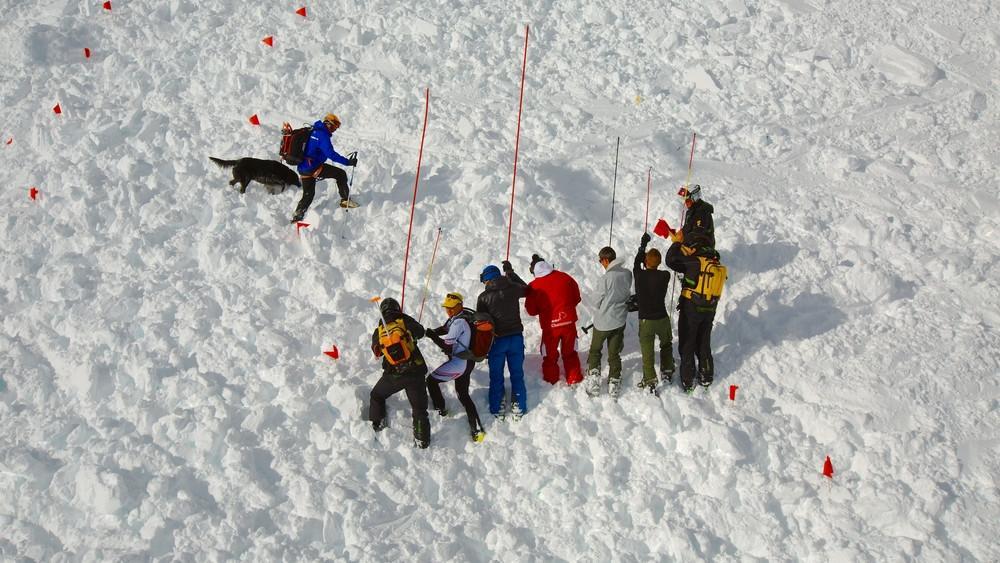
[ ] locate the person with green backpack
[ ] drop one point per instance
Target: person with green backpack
(454, 338)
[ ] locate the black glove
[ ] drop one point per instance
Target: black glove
(507, 268)
(353, 160)
(645, 239)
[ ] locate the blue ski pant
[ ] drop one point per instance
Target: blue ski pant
(509, 349)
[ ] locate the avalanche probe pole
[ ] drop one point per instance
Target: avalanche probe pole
(649, 186)
(427, 281)
(350, 185)
(614, 188)
(517, 139)
(416, 184)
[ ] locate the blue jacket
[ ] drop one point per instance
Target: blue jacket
(319, 148)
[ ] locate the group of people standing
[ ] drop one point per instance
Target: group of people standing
(553, 297)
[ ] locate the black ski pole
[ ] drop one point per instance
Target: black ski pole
(350, 186)
(614, 188)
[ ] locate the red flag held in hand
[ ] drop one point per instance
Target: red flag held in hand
(33, 193)
(828, 468)
(662, 229)
(301, 11)
(107, 5)
(254, 120)
(86, 52)
(57, 109)
(269, 41)
(333, 353)
(732, 392)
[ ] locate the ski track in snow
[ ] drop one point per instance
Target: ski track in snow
(163, 394)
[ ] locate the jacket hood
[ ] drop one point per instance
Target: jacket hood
(542, 269)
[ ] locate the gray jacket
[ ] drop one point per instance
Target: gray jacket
(615, 291)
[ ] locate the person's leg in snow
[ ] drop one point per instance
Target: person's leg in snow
(495, 359)
(515, 366)
(416, 394)
(462, 390)
(437, 398)
(570, 357)
(703, 349)
(550, 356)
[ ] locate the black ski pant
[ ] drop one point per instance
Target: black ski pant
(416, 393)
(462, 390)
(325, 171)
(694, 339)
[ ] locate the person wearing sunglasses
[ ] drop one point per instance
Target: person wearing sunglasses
(319, 149)
(454, 338)
(697, 217)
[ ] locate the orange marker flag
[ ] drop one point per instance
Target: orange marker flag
(301, 11)
(57, 109)
(269, 41)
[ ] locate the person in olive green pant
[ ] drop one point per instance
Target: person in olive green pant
(654, 321)
(609, 324)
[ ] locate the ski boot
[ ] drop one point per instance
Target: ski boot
(593, 382)
(615, 387)
(348, 203)
(667, 377)
(297, 217)
(478, 435)
(443, 412)
(379, 425)
(501, 415)
(649, 387)
(515, 410)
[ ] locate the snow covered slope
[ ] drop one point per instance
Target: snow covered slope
(164, 392)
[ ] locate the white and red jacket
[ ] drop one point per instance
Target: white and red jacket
(552, 297)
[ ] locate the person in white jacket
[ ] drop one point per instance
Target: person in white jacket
(609, 323)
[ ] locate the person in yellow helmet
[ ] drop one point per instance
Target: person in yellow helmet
(314, 165)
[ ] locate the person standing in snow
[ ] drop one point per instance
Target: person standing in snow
(553, 297)
(319, 149)
(454, 338)
(407, 375)
(501, 300)
(609, 323)
(654, 322)
(694, 325)
(697, 218)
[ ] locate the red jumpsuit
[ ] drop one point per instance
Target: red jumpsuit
(553, 297)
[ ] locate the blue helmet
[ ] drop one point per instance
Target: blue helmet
(490, 272)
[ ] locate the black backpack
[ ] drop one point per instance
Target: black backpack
(293, 143)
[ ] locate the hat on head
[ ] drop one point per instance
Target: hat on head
(694, 193)
(389, 305)
(490, 272)
(331, 118)
(542, 269)
(453, 299)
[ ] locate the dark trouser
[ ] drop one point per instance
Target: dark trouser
(387, 386)
(616, 342)
(324, 171)
(694, 339)
(462, 390)
(649, 331)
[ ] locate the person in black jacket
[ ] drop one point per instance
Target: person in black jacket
(654, 322)
(694, 327)
(501, 300)
(405, 376)
(697, 218)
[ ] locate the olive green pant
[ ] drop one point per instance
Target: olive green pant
(649, 331)
(616, 342)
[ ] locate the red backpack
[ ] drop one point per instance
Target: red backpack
(482, 335)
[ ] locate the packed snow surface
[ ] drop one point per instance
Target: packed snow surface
(164, 391)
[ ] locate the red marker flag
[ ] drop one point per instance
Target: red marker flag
(269, 41)
(86, 52)
(732, 392)
(57, 109)
(301, 11)
(828, 468)
(254, 120)
(107, 5)
(662, 229)
(333, 353)
(33, 193)
(299, 225)
(10, 140)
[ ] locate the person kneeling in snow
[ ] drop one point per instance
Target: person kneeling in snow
(553, 298)
(454, 338)
(403, 369)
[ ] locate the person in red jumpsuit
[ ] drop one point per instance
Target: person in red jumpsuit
(553, 297)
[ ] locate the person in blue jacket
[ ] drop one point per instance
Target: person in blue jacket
(318, 150)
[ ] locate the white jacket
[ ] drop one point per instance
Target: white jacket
(615, 291)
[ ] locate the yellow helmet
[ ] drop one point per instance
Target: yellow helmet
(331, 118)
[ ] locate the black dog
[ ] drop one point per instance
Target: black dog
(267, 172)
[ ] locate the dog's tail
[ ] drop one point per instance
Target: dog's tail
(223, 163)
